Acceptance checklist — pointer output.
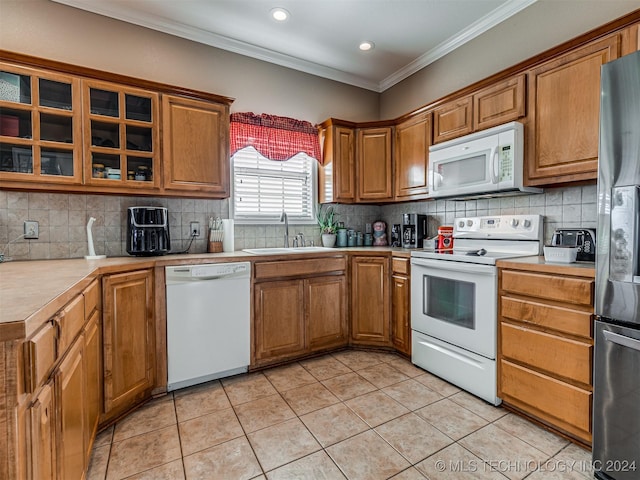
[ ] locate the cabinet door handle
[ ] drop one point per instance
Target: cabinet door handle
(622, 340)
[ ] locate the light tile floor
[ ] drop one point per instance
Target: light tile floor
(352, 414)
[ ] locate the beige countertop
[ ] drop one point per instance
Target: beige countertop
(33, 291)
(539, 264)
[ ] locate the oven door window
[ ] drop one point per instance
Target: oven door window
(451, 301)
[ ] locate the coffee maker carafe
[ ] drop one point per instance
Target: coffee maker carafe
(147, 231)
(414, 230)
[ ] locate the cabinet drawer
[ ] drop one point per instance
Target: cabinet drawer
(577, 291)
(40, 355)
(561, 319)
(294, 268)
(569, 405)
(555, 355)
(91, 298)
(400, 265)
(71, 319)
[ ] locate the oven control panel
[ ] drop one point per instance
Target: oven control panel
(520, 227)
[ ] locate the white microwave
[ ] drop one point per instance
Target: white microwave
(486, 163)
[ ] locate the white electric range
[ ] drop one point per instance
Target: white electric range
(454, 298)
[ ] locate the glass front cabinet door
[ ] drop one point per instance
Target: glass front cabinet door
(121, 145)
(40, 126)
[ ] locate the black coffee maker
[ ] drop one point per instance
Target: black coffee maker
(147, 231)
(414, 230)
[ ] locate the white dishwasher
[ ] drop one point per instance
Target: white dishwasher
(208, 322)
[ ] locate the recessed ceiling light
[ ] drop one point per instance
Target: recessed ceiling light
(366, 46)
(280, 14)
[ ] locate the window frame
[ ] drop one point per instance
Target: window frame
(270, 220)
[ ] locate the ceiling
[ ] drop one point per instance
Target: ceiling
(321, 37)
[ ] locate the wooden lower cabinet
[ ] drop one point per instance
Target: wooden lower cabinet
(401, 304)
(370, 300)
(92, 378)
(128, 341)
(43, 435)
(299, 307)
(70, 395)
(325, 302)
(279, 319)
(545, 346)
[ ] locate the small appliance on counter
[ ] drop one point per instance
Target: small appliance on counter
(414, 230)
(582, 238)
(396, 235)
(147, 231)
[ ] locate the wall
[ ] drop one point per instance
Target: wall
(561, 207)
(522, 36)
(50, 30)
(62, 219)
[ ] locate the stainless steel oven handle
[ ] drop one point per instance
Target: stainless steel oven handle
(622, 340)
(451, 266)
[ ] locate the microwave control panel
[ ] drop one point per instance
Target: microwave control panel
(506, 162)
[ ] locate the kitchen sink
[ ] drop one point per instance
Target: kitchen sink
(282, 250)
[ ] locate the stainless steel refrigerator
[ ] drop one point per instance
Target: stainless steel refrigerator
(616, 389)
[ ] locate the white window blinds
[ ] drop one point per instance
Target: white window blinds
(263, 188)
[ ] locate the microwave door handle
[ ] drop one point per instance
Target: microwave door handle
(492, 171)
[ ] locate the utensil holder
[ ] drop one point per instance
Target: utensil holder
(214, 247)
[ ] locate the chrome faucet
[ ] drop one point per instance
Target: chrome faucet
(283, 218)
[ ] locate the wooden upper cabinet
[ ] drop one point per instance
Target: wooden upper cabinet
(499, 103)
(121, 136)
(195, 141)
(453, 119)
(564, 114)
(374, 164)
(336, 177)
(412, 141)
(630, 39)
(40, 127)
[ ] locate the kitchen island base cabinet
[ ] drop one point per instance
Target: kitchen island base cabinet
(129, 341)
(370, 305)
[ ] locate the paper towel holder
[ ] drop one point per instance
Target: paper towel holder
(92, 252)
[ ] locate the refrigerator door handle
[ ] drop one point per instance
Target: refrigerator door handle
(622, 340)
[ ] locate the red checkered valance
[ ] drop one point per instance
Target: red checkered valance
(277, 138)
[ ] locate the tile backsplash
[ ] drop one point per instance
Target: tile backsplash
(63, 218)
(561, 207)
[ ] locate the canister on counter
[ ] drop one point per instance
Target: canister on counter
(341, 240)
(445, 238)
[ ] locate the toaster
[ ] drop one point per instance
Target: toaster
(583, 238)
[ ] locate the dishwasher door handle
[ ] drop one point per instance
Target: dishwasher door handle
(622, 340)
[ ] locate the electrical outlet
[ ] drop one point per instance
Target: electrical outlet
(31, 230)
(195, 227)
